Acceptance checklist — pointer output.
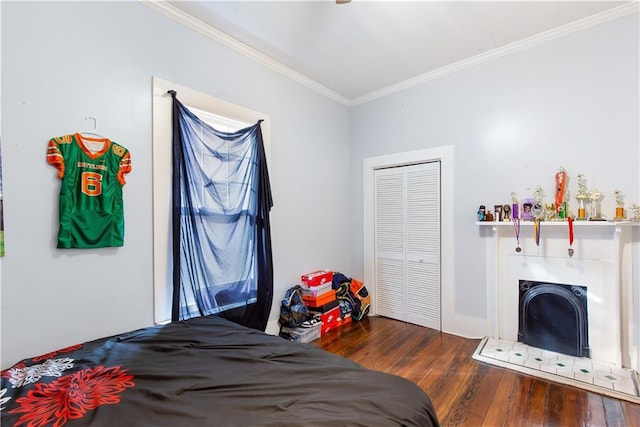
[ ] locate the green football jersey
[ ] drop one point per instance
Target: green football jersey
(91, 170)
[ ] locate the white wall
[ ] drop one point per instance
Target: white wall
(514, 121)
(63, 61)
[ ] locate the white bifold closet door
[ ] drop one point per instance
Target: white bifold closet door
(407, 243)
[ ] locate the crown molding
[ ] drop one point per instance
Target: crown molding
(207, 30)
(573, 27)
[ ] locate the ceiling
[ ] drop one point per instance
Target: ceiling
(356, 50)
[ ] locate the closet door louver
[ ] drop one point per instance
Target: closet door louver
(390, 243)
(423, 245)
(407, 222)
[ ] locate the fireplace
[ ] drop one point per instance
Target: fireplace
(553, 316)
(605, 312)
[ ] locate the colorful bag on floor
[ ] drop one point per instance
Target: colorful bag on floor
(342, 285)
(352, 296)
(361, 299)
(293, 311)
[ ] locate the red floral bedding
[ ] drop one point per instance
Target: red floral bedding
(203, 372)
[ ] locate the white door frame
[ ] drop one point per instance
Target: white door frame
(445, 155)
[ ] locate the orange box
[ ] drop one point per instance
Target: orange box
(317, 278)
(320, 300)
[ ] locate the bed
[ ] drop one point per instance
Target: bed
(205, 371)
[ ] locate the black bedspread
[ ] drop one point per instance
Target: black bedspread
(205, 372)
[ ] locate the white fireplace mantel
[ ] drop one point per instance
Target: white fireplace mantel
(602, 260)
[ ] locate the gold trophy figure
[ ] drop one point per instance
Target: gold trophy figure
(581, 197)
(619, 205)
(506, 213)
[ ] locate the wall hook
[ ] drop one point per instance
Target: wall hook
(95, 121)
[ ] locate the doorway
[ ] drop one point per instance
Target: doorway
(444, 320)
(407, 243)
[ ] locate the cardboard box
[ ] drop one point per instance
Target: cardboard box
(343, 320)
(316, 291)
(321, 300)
(330, 320)
(323, 308)
(303, 334)
(317, 278)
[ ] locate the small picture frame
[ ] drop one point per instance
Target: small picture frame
(527, 205)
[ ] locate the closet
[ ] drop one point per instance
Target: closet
(407, 243)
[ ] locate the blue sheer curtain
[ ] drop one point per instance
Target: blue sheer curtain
(221, 198)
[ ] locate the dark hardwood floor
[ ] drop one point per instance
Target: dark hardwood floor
(466, 392)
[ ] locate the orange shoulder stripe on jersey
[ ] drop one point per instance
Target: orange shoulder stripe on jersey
(54, 158)
(125, 167)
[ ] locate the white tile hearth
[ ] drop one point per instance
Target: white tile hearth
(580, 372)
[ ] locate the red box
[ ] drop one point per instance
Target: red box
(317, 278)
(330, 320)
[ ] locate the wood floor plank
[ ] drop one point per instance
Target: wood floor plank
(593, 408)
(614, 412)
(554, 405)
(518, 410)
(469, 408)
(632, 415)
(479, 400)
(501, 405)
(457, 383)
(538, 390)
(573, 404)
(466, 392)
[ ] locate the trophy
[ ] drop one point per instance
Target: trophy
(515, 206)
(506, 211)
(538, 208)
(635, 208)
(561, 195)
(581, 197)
(619, 205)
(516, 214)
(550, 212)
(595, 196)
